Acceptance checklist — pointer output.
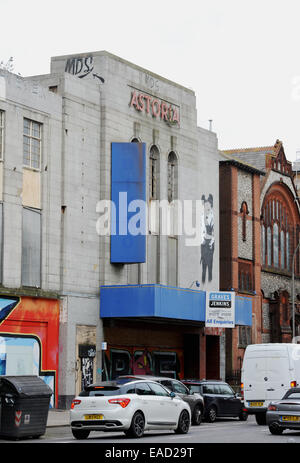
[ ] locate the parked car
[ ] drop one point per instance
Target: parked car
(131, 406)
(268, 372)
(284, 414)
(219, 399)
(195, 401)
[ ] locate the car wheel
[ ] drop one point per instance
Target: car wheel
(183, 423)
(261, 419)
(211, 414)
(275, 429)
(197, 415)
(80, 433)
(137, 426)
(243, 416)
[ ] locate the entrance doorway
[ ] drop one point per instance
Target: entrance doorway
(212, 357)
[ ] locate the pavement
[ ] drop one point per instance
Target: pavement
(57, 417)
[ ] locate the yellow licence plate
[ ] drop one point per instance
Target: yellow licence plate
(93, 417)
(290, 418)
(256, 404)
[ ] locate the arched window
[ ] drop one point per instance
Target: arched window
(172, 177)
(279, 222)
(244, 211)
(154, 173)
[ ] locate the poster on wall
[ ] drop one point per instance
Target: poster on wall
(220, 309)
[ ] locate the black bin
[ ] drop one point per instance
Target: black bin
(24, 406)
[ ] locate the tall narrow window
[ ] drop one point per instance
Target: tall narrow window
(287, 250)
(282, 249)
(172, 177)
(154, 173)
(244, 211)
(269, 246)
(263, 245)
(172, 263)
(275, 245)
(154, 190)
(1, 134)
(32, 140)
(31, 248)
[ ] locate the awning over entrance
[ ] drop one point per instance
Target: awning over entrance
(161, 301)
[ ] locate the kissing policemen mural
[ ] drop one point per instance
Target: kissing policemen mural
(207, 238)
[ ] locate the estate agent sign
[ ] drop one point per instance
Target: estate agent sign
(220, 309)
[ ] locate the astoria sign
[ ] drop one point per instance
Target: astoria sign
(159, 109)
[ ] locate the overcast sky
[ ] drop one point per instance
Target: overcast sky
(242, 58)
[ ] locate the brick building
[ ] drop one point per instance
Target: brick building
(259, 233)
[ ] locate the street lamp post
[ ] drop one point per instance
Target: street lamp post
(293, 288)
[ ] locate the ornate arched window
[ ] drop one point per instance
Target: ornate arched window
(278, 229)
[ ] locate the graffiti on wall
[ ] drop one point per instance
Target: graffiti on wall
(208, 237)
(87, 354)
(138, 361)
(29, 339)
(81, 67)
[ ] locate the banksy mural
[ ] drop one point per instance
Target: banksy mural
(207, 238)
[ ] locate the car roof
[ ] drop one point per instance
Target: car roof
(116, 383)
(204, 381)
(293, 389)
(147, 377)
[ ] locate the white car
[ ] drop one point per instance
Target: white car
(131, 406)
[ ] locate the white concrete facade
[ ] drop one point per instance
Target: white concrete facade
(82, 114)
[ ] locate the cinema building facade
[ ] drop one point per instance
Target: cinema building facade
(114, 149)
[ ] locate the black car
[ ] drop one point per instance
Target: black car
(219, 399)
(195, 400)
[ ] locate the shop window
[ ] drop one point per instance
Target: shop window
(31, 248)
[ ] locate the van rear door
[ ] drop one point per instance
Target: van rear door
(254, 370)
(277, 377)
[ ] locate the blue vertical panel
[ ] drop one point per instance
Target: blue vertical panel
(128, 193)
(243, 310)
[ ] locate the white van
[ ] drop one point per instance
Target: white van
(268, 371)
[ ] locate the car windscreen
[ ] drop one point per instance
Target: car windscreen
(292, 396)
(99, 391)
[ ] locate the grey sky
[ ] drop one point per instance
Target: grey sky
(242, 58)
